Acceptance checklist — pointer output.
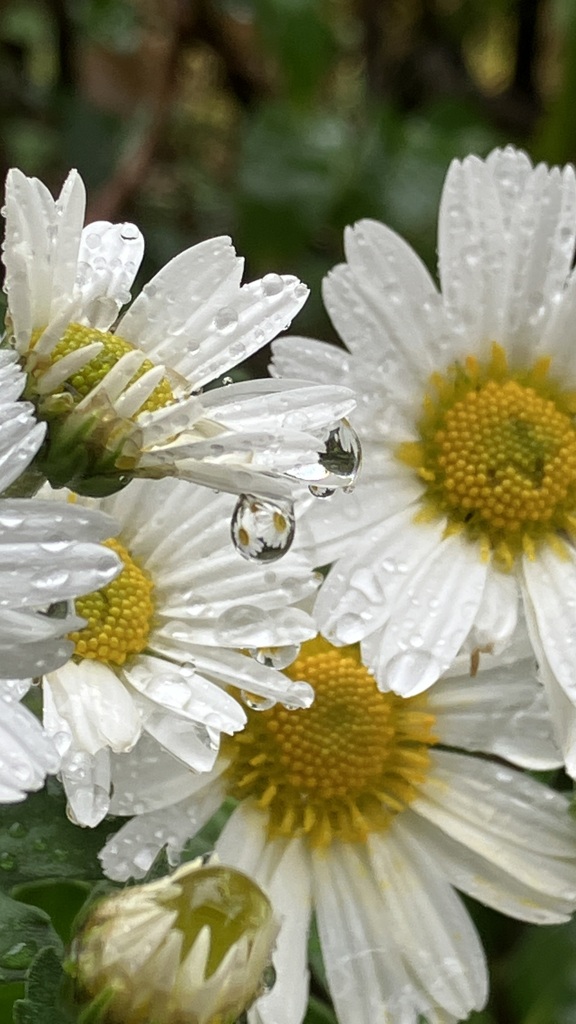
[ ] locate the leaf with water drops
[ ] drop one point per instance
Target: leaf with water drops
(262, 530)
(23, 931)
(38, 841)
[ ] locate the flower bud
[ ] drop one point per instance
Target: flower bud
(192, 948)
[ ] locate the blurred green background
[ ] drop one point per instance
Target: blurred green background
(279, 122)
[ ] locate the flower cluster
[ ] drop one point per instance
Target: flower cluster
(371, 729)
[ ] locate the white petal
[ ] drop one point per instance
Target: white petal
(42, 239)
(359, 592)
(497, 616)
(86, 780)
(550, 583)
(366, 974)
(502, 711)
(96, 705)
(148, 778)
(131, 850)
(505, 817)
(291, 405)
(480, 874)
(472, 252)
(27, 753)
(431, 617)
(433, 931)
(108, 261)
(171, 308)
(394, 283)
(314, 360)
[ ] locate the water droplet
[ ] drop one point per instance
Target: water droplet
(40, 844)
(129, 233)
(275, 657)
(262, 530)
(7, 861)
(321, 492)
(272, 284)
(225, 320)
(256, 703)
(268, 979)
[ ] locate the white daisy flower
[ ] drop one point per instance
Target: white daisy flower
(165, 639)
(466, 414)
(127, 401)
(350, 810)
(45, 560)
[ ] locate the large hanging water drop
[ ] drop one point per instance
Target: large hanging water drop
(341, 460)
(256, 702)
(262, 530)
(338, 464)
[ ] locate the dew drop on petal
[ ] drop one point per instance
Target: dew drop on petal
(256, 703)
(225, 319)
(272, 284)
(321, 492)
(262, 530)
(275, 657)
(342, 457)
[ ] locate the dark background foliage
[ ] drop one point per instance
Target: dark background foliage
(278, 122)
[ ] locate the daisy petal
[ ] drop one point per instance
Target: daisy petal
(550, 584)
(502, 711)
(415, 647)
(432, 929)
(132, 849)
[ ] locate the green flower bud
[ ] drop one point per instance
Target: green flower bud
(193, 948)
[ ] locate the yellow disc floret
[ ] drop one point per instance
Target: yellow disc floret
(341, 768)
(497, 453)
(118, 616)
(83, 381)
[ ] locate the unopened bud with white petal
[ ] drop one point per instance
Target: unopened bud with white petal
(193, 948)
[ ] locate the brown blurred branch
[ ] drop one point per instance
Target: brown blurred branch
(108, 202)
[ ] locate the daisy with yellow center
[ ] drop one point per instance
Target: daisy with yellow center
(351, 810)
(164, 639)
(127, 402)
(467, 417)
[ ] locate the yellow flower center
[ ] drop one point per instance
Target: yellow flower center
(341, 768)
(84, 380)
(118, 616)
(497, 453)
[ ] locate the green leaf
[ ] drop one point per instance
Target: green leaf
(319, 1013)
(42, 1004)
(61, 900)
(37, 841)
(539, 976)
(23, 931)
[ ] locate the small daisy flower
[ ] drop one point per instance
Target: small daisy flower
(467, 403)
(352, 811)
(193, 948)
(167, 636)
(122, 397)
